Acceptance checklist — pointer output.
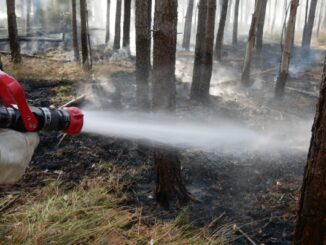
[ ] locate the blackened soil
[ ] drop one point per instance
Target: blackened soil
(258, 193)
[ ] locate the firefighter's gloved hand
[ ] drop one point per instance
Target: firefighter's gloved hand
(16, 151)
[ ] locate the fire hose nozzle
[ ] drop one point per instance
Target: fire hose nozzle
(16, 114)
(76, 120)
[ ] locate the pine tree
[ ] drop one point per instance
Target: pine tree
(12, 32)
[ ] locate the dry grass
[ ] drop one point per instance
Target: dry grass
(92, 213)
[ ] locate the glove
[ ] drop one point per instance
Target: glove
(16, 151)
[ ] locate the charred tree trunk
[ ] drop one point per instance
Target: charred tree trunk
(197, 91)
(117, 35)
(281, 80)
(1, 66)
(108, 9)
(168, 170)
(220, 32)
(306, 40)
(12, 32)
(126, 24)
(143, 52)
(188, 25)
(84, 34)
(260, 27)
(208, 48)
(74, 31)
(245, 77)
(28, 16)
(311, 220)
(235, 23)
(204, 52)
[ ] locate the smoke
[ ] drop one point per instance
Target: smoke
(217, 135)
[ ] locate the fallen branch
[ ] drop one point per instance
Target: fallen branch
(236, 228)
(214, 221)
(9, 203)
(74, 102)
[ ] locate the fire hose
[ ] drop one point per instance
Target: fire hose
(16, 114)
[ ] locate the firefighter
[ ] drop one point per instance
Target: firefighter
(16, 151)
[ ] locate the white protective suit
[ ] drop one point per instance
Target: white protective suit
(16, 151)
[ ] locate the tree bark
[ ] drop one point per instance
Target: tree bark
(108, 9)
(84, 34)
(260, 27)
(245, 77)
(1, 65)
(235, 23)
(126, 24)
(311, 219)
(117, 35)
(74, 31)
(168, 170)
(12, 32)
(188, 25)
(143, 52)
(321, 16)
(197, 91)
(286, 55)
(220, 32)
(306, 40)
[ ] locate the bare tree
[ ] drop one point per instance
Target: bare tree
(74, 31)
(168, 170)
(306, 40)
(84, 35)
(311, 224)
(260, 27)
(281, 80)
(117, 35)
(235, 22)
(108, 9)
(12, 32)
(143, 52)
(197, 91)
(322, 13)
(28, 16)
(245, 77)
(220, 32)
(274, 17)
(188, 24)
(126, 24)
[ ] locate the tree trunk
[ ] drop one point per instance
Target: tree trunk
(208, 48)
(117, 35)
(37, 20)
(74, 31)
(235, 23)
(107, 34)
(126, 24)
(143, 52)
(84, 34)
(306, 40)
(197, 91)
(28, 16)
(281, 80)
(311, 220)
(274, 18)
(188, 24)
(1, 65)
(321, 16)
(12, 32)
(245, 77)
(168, 170)
(220, 32)
(260, 27)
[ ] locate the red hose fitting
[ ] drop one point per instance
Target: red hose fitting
(76, 120)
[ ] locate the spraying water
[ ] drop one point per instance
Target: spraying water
(220, 136)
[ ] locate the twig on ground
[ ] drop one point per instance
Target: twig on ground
(9, 203)
(236, 228)
(75, 102)
(214, 221)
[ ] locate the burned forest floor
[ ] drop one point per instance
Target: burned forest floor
(90, 189)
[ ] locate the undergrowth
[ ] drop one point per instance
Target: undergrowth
(93, 213)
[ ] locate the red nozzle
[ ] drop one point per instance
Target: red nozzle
(76, 120)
